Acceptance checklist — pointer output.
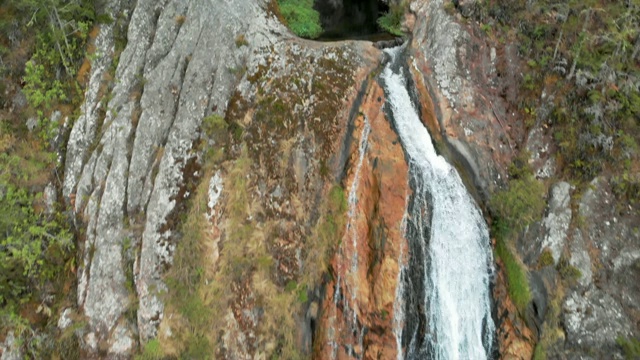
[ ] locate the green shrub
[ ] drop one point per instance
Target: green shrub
(540, 353)
(34, 248)
(568, 272)
(152, 351)
(546, 258)
(392, 20)
(630, 347)
(301, 18)
(198, 347)
(520, 204)
(49, 77)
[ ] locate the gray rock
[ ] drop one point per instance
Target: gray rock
(19, 100)
(537, 309)
(441, 36)
(10, 348)
(557, 220)
(65, 319)
(552, 231)
(580, 258)
(50, 198)
(130, 164)
(594, 319)
(467, 7)
(539, 144)
(32, 123)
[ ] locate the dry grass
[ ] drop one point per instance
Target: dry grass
(180, 19)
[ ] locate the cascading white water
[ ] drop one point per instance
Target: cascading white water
(454, 241)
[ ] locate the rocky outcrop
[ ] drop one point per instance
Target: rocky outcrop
(552, 231)
(10, 349)
(129, 154)
(603, 305)
(358, 307)
(592, 261)
(467, 90)
(457, 73)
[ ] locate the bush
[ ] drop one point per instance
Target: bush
(546, 258)
(62, 28)
(392, 20)
(520, 204)
(34, 248)
(301, 18)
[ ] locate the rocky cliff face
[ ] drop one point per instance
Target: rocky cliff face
(129, 154)
(133, 158)
(306, 129)
(472, 88)
(358, 307)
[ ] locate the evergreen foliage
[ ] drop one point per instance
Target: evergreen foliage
(301, 17)
(37, 248)
(392, 20)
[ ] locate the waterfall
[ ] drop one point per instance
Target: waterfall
(351, 283)
(448, 314)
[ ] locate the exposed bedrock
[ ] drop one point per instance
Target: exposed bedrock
(366, 291)
(128, 153)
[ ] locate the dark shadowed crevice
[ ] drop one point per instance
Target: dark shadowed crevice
(351, 19)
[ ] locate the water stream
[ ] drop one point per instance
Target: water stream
(348, 295)
(445, 287)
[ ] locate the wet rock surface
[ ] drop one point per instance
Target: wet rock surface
(368, 292)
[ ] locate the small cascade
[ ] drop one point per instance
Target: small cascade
(446, 286)
(352, 231)
(347, 297)
(399, 300)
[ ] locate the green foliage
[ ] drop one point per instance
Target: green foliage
(152, 351)
(568, 272)
(392, 20)
(586, 56)
(518, 282)
(198, 347)
(62, 29)
(630, 347)
(540, 353)
(546, 258)
(215, 127)
(301, 17)
(34, 247)
(520, 204)
(241, 41)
